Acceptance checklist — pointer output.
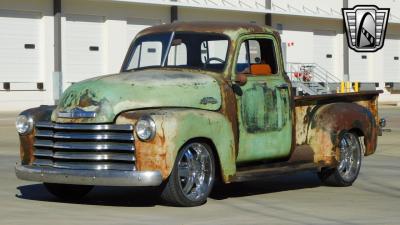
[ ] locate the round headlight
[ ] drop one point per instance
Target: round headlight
(145, 128)
(24, 124)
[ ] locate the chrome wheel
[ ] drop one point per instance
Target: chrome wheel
(195, 171)
(350, 157)
(346, 171)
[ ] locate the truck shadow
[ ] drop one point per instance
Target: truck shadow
(301, 180)
(149, 197)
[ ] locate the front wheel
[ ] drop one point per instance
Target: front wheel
(192, 177)
(68, 191)
(346, 172)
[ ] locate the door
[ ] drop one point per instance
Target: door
(263, 107)
(19, 46)
(324, 50)
(83, 48)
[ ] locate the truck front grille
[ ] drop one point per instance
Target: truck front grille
(84, 146)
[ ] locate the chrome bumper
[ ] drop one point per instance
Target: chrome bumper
(88, 177)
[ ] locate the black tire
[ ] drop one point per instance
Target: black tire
(193, 189)
(348, 168)
(68, 192)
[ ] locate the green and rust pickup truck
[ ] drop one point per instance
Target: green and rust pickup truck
(195, 103)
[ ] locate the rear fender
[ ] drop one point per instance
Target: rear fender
(330, 120)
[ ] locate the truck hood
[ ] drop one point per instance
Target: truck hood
(110, 95)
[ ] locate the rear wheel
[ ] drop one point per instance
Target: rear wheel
(192, 177)
(68, 191)
(346, 172)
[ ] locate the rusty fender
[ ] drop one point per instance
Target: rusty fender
(42, 113)
(174, 128)
(326, 124)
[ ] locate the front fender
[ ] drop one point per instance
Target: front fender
(327, 123)
(42, 113)
(174, 128)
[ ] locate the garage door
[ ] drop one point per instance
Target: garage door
(391, 60)
(83, 48)
(135, 25)
(19, 46)
(359, 68)
(324, 50)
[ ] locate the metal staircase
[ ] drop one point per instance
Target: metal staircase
(311, 79)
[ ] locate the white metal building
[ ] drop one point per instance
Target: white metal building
(45, 41)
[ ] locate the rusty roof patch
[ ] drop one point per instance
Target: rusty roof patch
(234, 28)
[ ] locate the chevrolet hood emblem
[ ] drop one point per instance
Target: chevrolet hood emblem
(76, 113)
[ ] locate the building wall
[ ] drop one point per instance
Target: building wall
(118, 18)
(27, 94)
(299, 36)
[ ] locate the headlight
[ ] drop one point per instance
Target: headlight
(145, 128)
(24, 124)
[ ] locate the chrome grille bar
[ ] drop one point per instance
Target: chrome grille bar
(103, 146)
(94, 157)
(94, 136)
(108, 127)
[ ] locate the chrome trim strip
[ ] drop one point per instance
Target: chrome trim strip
(43, 143)
(43, 153)
(108, 127)
(94, 156)
(94, 136)
(84, 146)
(88, 177)
(44, 133)
(94, 146)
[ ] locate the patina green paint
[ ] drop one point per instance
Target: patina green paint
(113, 94)
(178, 126)
(265, 123)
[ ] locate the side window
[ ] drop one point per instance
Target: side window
(257, 57)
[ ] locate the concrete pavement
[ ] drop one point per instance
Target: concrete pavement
(295, 199)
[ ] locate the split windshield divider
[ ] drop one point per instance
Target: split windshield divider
(164, 61)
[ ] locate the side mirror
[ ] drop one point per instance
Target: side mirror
(241, 79)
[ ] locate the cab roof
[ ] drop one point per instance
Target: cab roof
(232, 29)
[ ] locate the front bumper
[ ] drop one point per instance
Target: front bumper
(88, 177)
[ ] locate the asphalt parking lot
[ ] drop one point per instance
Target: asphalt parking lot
(295, 199)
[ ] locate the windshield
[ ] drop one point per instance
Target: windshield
(180, 50)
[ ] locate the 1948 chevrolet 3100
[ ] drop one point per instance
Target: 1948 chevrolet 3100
(195, 103)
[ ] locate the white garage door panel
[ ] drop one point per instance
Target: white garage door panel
(83, 48)
(135, 25)
(391, 67)
(359, 67)
(16, 62)
(324, 45)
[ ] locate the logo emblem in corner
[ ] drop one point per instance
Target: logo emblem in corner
(77, 113)
(365, 27)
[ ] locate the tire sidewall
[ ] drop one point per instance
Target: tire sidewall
(337, 173)
(174, 177)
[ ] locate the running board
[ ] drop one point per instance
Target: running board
(271, 170)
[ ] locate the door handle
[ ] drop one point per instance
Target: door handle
(282, 86)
